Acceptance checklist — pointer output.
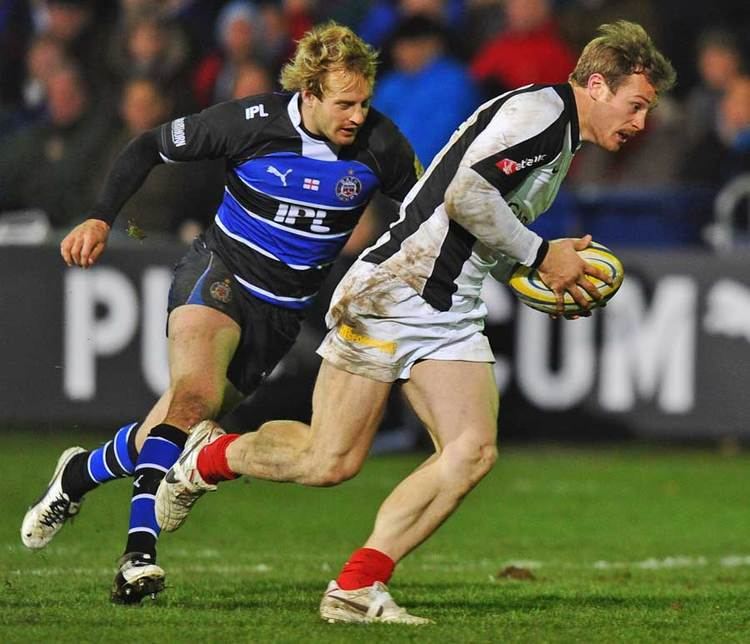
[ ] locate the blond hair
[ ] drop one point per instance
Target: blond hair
(328, 48)
(624, 48)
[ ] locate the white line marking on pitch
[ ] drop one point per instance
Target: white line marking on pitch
(434, 563)
(438, 563)
(199, 568)
(654, 564)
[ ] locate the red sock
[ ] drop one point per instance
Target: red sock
(212, 460)
(364, 568)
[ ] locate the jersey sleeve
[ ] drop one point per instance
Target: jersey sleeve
(521, 136)
(218, 131)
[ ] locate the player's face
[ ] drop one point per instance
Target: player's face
(342, 110)
(617, 117)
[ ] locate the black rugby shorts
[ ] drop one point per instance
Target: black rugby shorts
(267, 331)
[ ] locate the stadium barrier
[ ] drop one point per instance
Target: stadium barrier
(669, 357)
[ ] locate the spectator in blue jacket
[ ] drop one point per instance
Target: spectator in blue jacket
(428, 93)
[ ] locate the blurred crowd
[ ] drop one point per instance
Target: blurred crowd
(80, 78)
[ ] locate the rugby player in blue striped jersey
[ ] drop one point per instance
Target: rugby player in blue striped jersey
(302, 166)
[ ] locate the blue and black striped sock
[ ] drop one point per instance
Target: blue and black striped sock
(159, 452)
(113, 460)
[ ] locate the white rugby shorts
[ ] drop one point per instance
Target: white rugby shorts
(380, 327)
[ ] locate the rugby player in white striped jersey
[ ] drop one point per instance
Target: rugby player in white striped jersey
(410, 310)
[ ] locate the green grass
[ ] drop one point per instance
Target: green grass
(628, 544)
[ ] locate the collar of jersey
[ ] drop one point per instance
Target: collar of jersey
(296, 116)
(566, 93)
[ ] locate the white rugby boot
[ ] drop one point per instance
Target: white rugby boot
(367, 605)
(49, 513)
(183, 485)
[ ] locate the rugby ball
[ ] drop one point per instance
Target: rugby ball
(528, 287)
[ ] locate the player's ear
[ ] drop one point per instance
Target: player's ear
(308, 98)
(597, 87)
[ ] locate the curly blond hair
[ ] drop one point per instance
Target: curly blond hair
(622, 49)
(328, 48)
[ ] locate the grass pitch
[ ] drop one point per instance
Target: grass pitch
(619, 544)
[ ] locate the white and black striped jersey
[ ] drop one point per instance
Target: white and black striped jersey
(519, 144)
(291, 200)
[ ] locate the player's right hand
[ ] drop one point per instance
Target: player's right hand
(84, 244)
(563, 271)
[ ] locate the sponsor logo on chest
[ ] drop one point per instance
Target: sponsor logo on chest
(291, 213)
(278, 173)
(509, 166)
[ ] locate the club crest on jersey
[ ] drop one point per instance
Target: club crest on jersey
(509, 166)
(221, 291)
(348, 187)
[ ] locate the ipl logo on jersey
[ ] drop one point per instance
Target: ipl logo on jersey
(348, 187)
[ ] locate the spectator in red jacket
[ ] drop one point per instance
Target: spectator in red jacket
(240, 37)
(528, 50)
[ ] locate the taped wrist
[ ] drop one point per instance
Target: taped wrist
(541, 254)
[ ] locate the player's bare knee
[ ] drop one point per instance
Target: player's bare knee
(190, 405)
(327, 470)
(487, 458)
(468, 460)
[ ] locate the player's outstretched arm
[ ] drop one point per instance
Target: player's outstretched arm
(84, 244)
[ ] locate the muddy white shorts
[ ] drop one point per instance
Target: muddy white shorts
(380, 327)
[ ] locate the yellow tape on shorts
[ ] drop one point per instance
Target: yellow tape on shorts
(350, 335)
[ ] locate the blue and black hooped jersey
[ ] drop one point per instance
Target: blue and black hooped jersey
(291, 200)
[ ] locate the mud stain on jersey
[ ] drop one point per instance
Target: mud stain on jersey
(468, 205)
(414, 263)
